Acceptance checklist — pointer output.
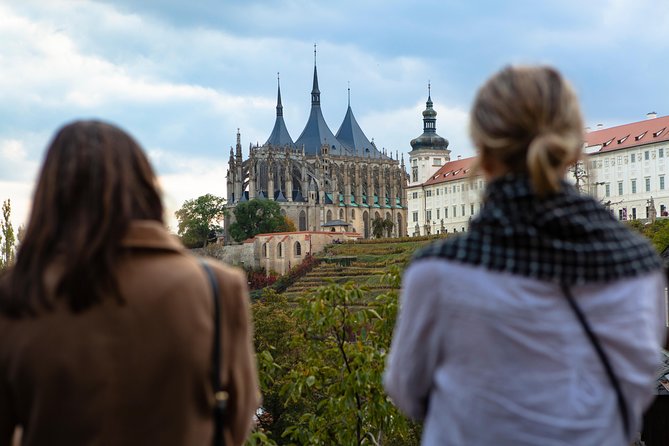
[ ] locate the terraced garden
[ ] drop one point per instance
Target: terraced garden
(363, 263)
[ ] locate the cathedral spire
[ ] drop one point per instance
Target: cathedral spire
(349, 93)
(315, 92)
(279, 107)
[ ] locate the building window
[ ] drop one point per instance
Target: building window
(634, 186)
(446, 212)
(353, 213)
(471, 208)
(437, 189)
(279, 248)
(463, 210)
(646, 155)
(455, 211)
(298, 249)
(660, 153)
(620, 160)
(437, 214)
(436, 162)
(428, 193)
(607, 190)
(428, 215)
(606, 162)
(415, 195)
(264, 250)
(647, 184)
(414, 174)
(633, 213)
(415, 217)
(620, 187)
(661, 182)
(633, 158)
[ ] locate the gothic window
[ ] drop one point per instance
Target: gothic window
(279, 248)
(341, 214)
(298, 249)
(303, 221)
(264, 250)
(329, 216)
(352, 213)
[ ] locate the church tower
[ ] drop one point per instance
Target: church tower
(429, 151)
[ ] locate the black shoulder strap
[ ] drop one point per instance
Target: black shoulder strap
(220, 395)
(622, 404)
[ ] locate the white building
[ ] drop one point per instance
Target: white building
(625, 167)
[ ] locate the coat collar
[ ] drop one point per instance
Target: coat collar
(152, 235)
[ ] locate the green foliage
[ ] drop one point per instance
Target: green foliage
(657, 232)
(377, 227)
(257, 216)
(198, 219)
(7, 238)
(323, 363)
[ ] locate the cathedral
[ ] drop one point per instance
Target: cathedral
(322, 181)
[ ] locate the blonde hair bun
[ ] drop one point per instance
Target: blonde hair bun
(528, 119)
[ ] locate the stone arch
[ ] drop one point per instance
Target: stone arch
(297, 249)
(328, 216)
(303, 221)
(341, 214)
(265, 251)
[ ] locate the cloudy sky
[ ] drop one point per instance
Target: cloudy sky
(183, 76)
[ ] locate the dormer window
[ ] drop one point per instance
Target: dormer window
(622, 140)
(608, 142)
(638, 137)
(659, 132)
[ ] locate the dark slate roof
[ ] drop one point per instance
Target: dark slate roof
(351, 135)
(316, 132)
(279, 135)
(334, 223)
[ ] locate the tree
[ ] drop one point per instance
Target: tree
(257, 216)
(198, 220)
(377, 227)
(388, 225)
(343, 335)
(7, 238)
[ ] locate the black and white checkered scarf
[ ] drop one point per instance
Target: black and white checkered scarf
(565, 237)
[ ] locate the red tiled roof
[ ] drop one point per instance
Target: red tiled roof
(451, 171)
(633, 134)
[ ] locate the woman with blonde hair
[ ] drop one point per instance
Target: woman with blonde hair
(542, 325)
(110, 331)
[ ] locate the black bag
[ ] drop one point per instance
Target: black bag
(220, 395)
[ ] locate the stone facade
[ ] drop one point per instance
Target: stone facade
(321, 177)
(283, 250)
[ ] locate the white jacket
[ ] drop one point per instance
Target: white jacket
(491, 358)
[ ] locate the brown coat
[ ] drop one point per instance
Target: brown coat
(136, 373)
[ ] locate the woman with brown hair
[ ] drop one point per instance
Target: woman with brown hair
(542, 325)
(106, 322)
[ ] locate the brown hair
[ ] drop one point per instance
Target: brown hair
(529, 120)
(94, 181)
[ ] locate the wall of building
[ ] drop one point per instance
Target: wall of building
(281, 251)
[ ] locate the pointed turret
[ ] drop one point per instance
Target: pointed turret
(279, 135)
(351, 135)
(238, 152)
(316, 132)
